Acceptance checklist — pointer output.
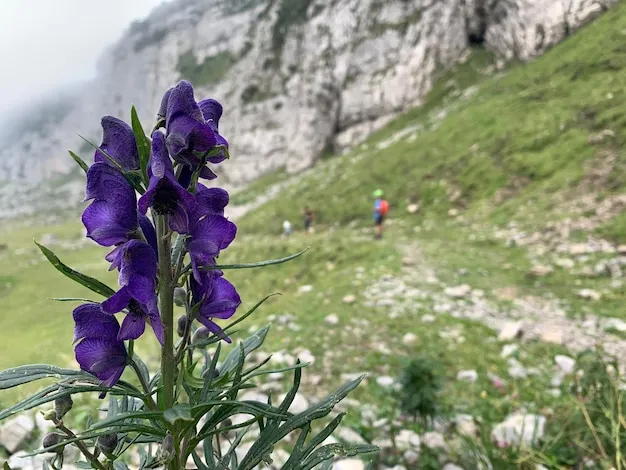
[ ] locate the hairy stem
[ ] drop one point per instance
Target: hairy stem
(166, 306)
(81, 446)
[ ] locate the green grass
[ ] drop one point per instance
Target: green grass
(258, 187)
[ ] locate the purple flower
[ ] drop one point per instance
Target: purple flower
(112, 217)
(187, 130)
(210, 201)
(118, 140)
(212, 112)
(137, 263)
(218, 299)
(208, 236)
(165, 195)
(98, 349)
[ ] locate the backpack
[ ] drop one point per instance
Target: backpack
(384, 207)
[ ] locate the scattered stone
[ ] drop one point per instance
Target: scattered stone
(552, 336)
(519, 430)
(578, 249)
(299, 404)
(589, 294)
(505, 293)
(305, 289)
(254, 396)
(451, 466)
(459, 291)
(349, 299)
(350, 436)
(349, 464)
(411, 456)
(15, 431)
(565, 363)
(565, 263)
(412, 208)
(408, 261)
(306, 356)
(465, 425)
(434, 440)
(385, 381)
(478, 293)
(330, 266)
(516, 369)
(540, 270)
(407, 439)
(453, 212)
(467, 375)
(601, 136)
(409, 338)
(621, 249)
(428, 318)
(615, 324)
(511, 330)
(332, 319)
(508, 350)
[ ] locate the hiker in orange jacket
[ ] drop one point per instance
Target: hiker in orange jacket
(381, 207)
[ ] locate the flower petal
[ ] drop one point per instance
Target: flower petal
(118, 140)
(117, 302)
(92, 322)
(223, 300)
(106, 359)
(132, 327)
(108, 224)
(141, 288)
(210, 200)
(107, 183)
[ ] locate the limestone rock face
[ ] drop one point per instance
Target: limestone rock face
(296, 77)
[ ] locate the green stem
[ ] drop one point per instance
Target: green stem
(166, 306)
(81, 446)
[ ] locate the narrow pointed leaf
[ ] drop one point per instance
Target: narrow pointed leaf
(331, 451)
(258, 264)
(87, 281)
(80, 161)
(178, 412)
(143, 144)
(24, 374)
(249, 345)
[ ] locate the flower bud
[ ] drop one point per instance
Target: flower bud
(180, 297)
(182, 325)
(49, 415)
(201, 334)
(52, 439)
(107, 443)
(62, 405)
(167, 449)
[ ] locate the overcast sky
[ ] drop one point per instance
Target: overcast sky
(48, 43)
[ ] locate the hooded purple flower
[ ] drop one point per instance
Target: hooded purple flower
(118, 140)
(165, 195)
(208, 236)
(112, 217)
(212, 112)
(98, 349)
(137, 263)
(210, 201)
(187, 130)
(218, 300)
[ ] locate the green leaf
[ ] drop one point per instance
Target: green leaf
(80, 161)
(180, 412)
(117, 465)
(249, 345)
(15, 376)
(87, 281)
(143, 144)
(258, 264)
(6, 466)
(72, 299)
(335, 450)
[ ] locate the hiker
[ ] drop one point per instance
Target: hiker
(381, 207)
(286, 228)
(309, 217)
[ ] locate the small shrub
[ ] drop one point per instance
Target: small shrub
(421, 385)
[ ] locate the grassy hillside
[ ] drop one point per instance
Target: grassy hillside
(513, 172)
(522, 137)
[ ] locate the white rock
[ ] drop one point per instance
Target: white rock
(451, 466)
(467, 375)
(589, 294)
(385, 381)
(332, 319)
(434, 440)
(552, 336)
(299, 405)
(458, 291)
(615, 324)
(349, 436)
(621, 249)
(519, 430)
(411, 456)
(510, 330)
(43, 425)
(409, 338)
(565, 263)
(509, 350)
(15, 431)
(305, 289)
(465, 425)
(428, 318)
(252, 395)
(349, 299)
(407, 439)
(349, 464)
(540, 270)
(412, 208)
(306, 356)
(565, 363)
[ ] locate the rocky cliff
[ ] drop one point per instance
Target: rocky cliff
(296, 77)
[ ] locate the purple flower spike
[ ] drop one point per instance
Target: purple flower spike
(218, 298)
(187, 131)
(137, 263)
(212, 112)
(209, 236)
(99, 351)
(118, 140)
(112, 217)
(210, 201)
(165, 195)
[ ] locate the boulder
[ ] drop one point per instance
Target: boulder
(15, 431)
(519, 430)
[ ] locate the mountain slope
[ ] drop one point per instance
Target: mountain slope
(537, 134)
(297, 77)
